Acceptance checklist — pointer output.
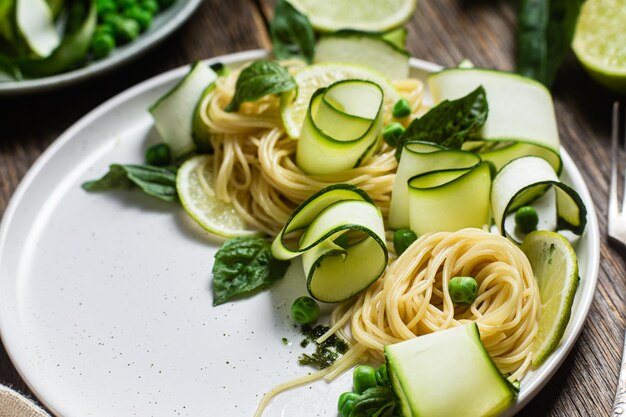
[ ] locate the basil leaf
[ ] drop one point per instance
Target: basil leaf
(450, 123)
(377, 401)
(242, 265)
(258, 80)
(155, 181)
(545, 30)
(292, 33)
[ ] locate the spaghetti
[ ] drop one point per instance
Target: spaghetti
(412, 298)
(254, 163)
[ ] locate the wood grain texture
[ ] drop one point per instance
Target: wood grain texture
(442, 31)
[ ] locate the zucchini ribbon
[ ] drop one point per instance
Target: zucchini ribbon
(342, 242)
(342, 127)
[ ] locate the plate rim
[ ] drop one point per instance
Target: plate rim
(134, 50)
(548, 369)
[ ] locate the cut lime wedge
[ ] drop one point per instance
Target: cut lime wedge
(363, 15)
(194, 184)
(294, 104)
(600, 41)
(555, 266)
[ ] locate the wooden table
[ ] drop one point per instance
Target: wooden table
(442, 31)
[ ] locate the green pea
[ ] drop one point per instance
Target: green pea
(151, 6)
(139, 15)
(159, 155)
(305, 310)
(106, 6)
(127, 4)
(102, 44)
(164, 4)
(526, 219)
(401, 108)
(363, 377)
(104, 28)
(344, 405)
(382, 378)
(125, 29)
(402, 239)
(463, 290)
(392, 132)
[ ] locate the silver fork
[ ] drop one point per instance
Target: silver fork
(617, 231)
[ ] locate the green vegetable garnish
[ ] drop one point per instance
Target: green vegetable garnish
(243, 265)
(106, 6)
(545, 30)
(345, 403)
(260, 79)
(155, 181)
(526, 219)
(463, 290)
(382, 378)
(392, 133)
(305, 310)
(326, 352)
(401, 108)
(363, 378)
(450, 123)
(151, 6)
(292, 34)
(102, 44)
(376, 401)
(139, 15)
(159, 155)
(402, 239)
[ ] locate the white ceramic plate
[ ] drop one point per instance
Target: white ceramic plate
(105, 301)
(163, 25)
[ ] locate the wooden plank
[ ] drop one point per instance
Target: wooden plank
(31, 123)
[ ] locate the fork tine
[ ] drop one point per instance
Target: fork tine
(613, 209)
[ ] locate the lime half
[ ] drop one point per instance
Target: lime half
(600, 41)
(555, 266)
(363, 15)
(194, 184)
(294, 104)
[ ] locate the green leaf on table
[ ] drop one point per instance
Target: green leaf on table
(155, 181)
(545, 30)
(258, 80)
(242, 265)
(292, 33)
(450, 123)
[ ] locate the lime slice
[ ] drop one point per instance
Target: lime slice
(194, 184)
(294, 104)
(363, 15)
(555, 266)
(600, 41)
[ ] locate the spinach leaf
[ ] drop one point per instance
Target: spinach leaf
(450, 123)
(155, 181)
(292, 33)
(258, 80)
(244, 264)
(377, 401)
(545, 30)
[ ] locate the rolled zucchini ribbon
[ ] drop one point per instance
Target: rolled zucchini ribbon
(342, 242)
(521, 118)
(439, 189)
(342, 127)
(523, 180)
